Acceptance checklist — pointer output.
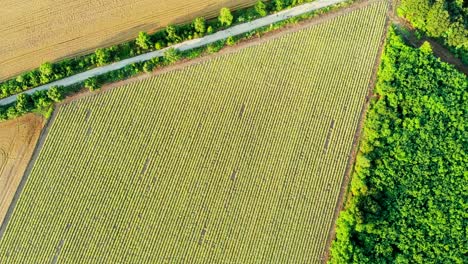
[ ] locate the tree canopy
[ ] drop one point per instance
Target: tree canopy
(225, 16)
(444, 19)
(409, 192)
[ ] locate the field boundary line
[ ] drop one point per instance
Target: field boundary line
(37, 149)
(184, 46)
(343, 194)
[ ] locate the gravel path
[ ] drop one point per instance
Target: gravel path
(187, 45)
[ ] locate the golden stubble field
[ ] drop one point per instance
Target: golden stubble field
(35, 31)
(17, 141)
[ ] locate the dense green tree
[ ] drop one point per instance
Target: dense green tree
(92, 84)
(55, 93)
(457, 35)
(230, 41)
(46, 70)
(225, 16)
(172, 34)
(437, 22)
(199, 25)
(24, 103)
(260, 8)
(11, 112)
(446, 20)
(279, 5)
(172, 55)
(144, 41)
(102, 56)
(159, 45)
(410, 188)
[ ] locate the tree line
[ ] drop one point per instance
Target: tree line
(409, 191)
(42, 102)
(172, 34)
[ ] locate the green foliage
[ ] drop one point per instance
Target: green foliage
(209, 30)
(46, 69)
(102, 57)
(172, 55)
(443, 19)
(410, 192)
(172, 34)
(55, 93)
(24, 103)
(279, 5)
(91, 84)
(437, 21)
(159, 45)
(225, 16)
(457, 35)
(199, 25)
(42, 103)
(12, 112)
(216, 46)
(230, 41)
(260, 8)
(144, 41)
(426, 48)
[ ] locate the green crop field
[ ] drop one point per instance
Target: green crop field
(238, 159)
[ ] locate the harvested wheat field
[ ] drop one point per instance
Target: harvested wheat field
(42, 30)
(238, 159)
(17, 141)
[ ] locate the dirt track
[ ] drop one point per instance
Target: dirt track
(187, 45)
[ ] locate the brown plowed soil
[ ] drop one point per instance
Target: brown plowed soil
(18, 138)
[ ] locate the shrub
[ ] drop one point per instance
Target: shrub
(225, 16)
(55, 93)
(260, 8)
(91, 84)
(199, 25)
(143, 41)
(171, 55)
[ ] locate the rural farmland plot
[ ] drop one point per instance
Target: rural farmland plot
(235, 160)
(43, 30)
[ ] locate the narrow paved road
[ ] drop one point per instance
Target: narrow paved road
(187, 45)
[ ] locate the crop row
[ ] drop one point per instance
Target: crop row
(238, 159)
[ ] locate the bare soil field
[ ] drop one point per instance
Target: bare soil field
(17, 141)
(39, 30)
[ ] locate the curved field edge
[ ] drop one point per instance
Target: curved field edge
(17, 141)
(409, 188)
(250, 154)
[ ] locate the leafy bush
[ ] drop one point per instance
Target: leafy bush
(171, 55)
(92, 84)
(225, 16)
